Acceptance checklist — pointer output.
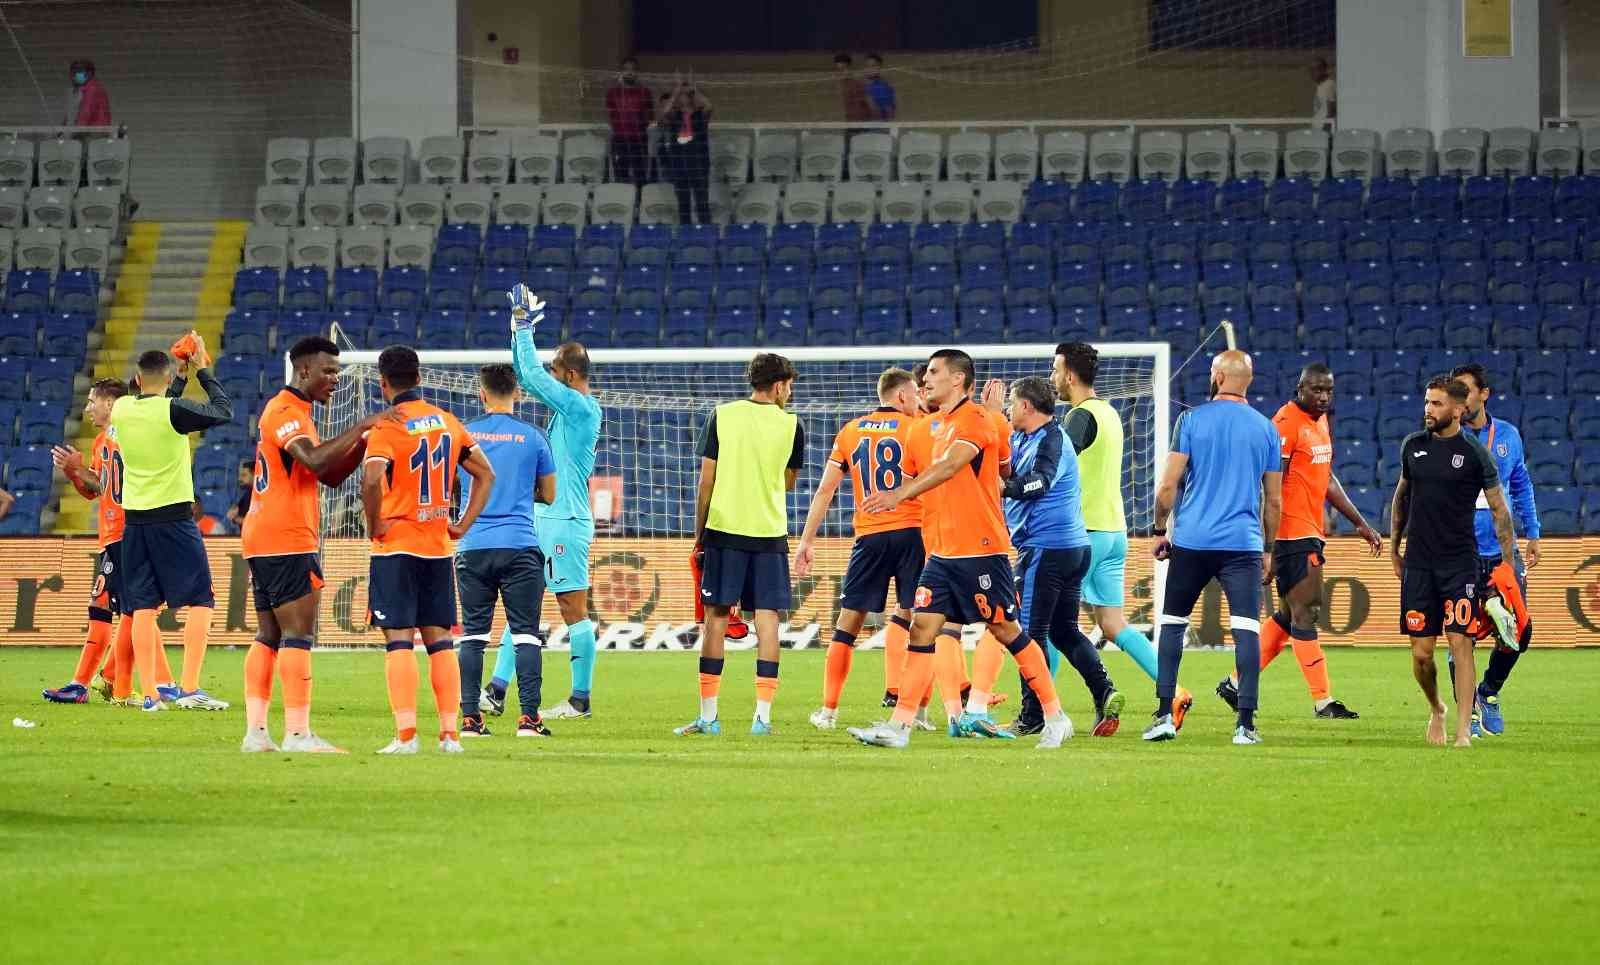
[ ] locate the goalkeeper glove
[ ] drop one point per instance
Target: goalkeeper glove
(527, 309)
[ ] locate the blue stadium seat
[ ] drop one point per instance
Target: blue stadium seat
(1353, 373)
(1096, 201)
(1046, 201)
(1371, 283)
(1578, 199)
(13, 378)
(1414, 240)
(739, 277)
(1461, 241)
(1399, 416)
(1560, 326)
(1144, 200)
(507, 245)
(449, 287)
(1225, 283)
(1556, 241)
(1272, 283)
(449, 330)
(28, 467)
(1327, 327)
(1179, 326)
(1418, 327)
(1175, 241)
(400, 325)
(1358, 463)
(594, 328)
(1367, 241)
(355, 289)
(1177, 283)
(1030, 323)
(834, 326)
(215, 467)
(1532, 196)
(599, 298)
(1466, 327)
(883, 326)
(1124, 242)
(1339, 199)
(1542, 373)
(8, 428)
(1464, 282)
(1509, 240)
(1438, 198)
(1318, 241)
(1193, 199)
(1323, 284)
(78, 290)
(1356, 416)
(50, 379)
(1546, 417)
(246, 333)
(19, 333)
(685, 328)
(457, 244)
(1130, 324)
(1559, 511)
(1271, 327)
(1389, 199)
(1585, 416)
(1292, 199)
(495, 283)
(1225, 241)
(1083, 323)
(306, 288)
(598, 257)
(1588, 465)
(1395, 373)
(253, 288)
(605, 233)
(1272, 241)
(1077, 283)
(23, 520)
(933, 324)
(240, 375)
(1513, 281)
(1562, 282)
(41, 423)
(1483, 197)
(28, 290)
(1127, 283)
(637, 328)
(1242, 199)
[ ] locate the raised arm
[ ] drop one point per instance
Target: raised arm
(190, 416)
(535, 380)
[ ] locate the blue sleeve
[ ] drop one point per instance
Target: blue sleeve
(534, 379)
(1041, 475)
(1180, 434)
(1519, 486)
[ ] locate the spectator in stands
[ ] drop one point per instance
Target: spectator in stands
(880, 94)
(687, 132)
(857, 107)
(88, 104)
(1324, 103)
(6, 502)
(247, 479)
(628, 107)
(660, 143)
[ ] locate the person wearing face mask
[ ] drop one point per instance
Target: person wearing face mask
(686, 129)
(88, 104)
(628, 106)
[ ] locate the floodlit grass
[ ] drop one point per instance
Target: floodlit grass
(133, 837)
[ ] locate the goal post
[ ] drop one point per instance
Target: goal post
(642, 492)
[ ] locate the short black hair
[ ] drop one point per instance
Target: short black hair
(498, 379)
(768, 369)
(960, 361)
(1037, 392)
(1478, 374)
(1315, 368)
(875, 56)
(574, 357)
(398, 364)
(842, 58)
(918, 371)
(1451, 386)
(154, 362)
(312, 345)
(1081, 359)
(115, 388)
(628, 60)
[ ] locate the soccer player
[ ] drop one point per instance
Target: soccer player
(500, 556)
(967, 578)
(1308, 484)
(1504, 445)
(1443, 471)
(280, 541)
(751, 451)
(1043, 507)
(1224, 459)
(1095, 430)
(163, 554)
(102, 480)
(565, 526)
(406, 480)
(872, 450)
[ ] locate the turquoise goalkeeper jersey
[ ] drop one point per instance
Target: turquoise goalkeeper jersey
(574, 431)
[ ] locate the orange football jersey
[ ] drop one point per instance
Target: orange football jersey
(422, 451)
(872, 451)
(284, 517)
(962, 516)
(105, 461)
(1309, 450)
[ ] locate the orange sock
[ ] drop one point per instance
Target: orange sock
(108, 669)
(145, 644)
(1036, 671)
(950, 669)
(400, 673)
(164, 675)
(834, 671)
(294, 669)
(258, 664)
(1313, 665)
(895, 637)
(444, 673)
(986, 664)
(195, 632)
(915, 678)
(93, 649)
(122, 656)
(1274, 637)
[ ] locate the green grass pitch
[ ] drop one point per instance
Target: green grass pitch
(127, 837)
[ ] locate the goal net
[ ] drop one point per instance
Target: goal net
(646, 468)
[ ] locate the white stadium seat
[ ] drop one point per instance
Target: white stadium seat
(333, 160)
(583, 158)
(87, 248)
(720, 198)
(278, 204)
(871, 155)
(60, 161)
(97, 207)
(967, 156)
(1355, 154)
(1461, 151)
(489, 159)
(903, 202)
(614, 203)
(921, 155)
(469, 204)
(1208, 155)
(730, 157)
(1064, 156)
(38, 248)
(776, 157)
(411, 245)
(288, 159)
(8, 244)
(1591, 150)
(1000, 201)
(108, 162)
(518, 204)
(314, 248)
(386, 160)
(1255, 155)
(821, 157)
(756, 204)
(1160, 155)
(17, 160)
(1305, 154)
(1016, 156)
(439, 160)
(266, 246)
(855, 201)
(422, 204)
(950, 201)
(1111, 156)
(1408, 152)
(327, 205)
(566, 204)
(375, 204)
(805, 203)
(1560, 151)
(13, 207)
(362, 247)
(1510, 151)
(536, 158)
(51, 207)
(658, 204)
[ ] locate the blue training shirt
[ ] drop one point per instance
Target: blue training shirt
(1044, 501)
(1229, 446)
(519, 455)
(1505, 447)
(574, 431)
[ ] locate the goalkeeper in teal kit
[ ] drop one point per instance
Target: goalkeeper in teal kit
(565, 527)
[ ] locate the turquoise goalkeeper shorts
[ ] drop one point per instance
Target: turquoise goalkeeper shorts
(565, 544)
(1108, 554)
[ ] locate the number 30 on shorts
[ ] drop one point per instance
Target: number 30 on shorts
(1458, 613)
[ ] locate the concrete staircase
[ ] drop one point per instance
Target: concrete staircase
(175, 276)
